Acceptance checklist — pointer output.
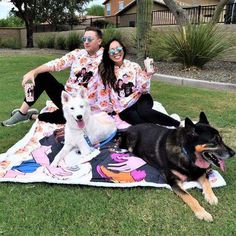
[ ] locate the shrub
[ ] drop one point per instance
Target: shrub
(10, 43)
(47, 41)
(60, 42)
(193, 45)
(101, 24)
(95, 10)
(12, 21)
(41, 42)
(110, 33)
(73, 41)
(50, 41)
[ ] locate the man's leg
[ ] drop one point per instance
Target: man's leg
(43, 82)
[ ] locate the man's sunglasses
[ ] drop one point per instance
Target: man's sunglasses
(112, 52)
(89, 39)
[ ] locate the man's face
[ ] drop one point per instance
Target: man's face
(92, 42)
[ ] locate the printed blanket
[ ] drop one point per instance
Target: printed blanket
(29, 161)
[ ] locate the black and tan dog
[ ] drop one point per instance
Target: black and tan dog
(181, 154)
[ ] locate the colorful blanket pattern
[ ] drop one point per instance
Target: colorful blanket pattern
(29, 161)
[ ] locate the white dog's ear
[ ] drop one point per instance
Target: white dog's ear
(83, 92)
(65, 97)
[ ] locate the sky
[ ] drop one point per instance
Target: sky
(6, 6)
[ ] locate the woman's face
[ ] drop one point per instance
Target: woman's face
(116, 53)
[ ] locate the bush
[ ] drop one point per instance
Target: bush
(60, 42)
(95, 10)
(12, 21)
(10, 43)
(50, 41)
(41, 42)
(193, 45)
(46, 41)
(101, 24)
(73, 41)
(109, 33)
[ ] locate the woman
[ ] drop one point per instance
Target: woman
(136, 106)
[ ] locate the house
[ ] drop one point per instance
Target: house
(118, 7)
(112, 7)
(125, 11)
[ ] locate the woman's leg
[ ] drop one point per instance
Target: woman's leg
(131, 116)
(144, 108)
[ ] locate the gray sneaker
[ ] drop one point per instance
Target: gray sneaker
(31, 110)
(17, 118)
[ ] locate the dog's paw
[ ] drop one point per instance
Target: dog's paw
(211, 199)
(204, 215)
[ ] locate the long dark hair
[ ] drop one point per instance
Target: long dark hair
(106, 67)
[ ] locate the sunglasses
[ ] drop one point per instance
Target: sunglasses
(89, 39)
(112, 52)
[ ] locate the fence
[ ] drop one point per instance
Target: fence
(198, 14)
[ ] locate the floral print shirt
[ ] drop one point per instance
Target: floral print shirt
(83, 71)
(131, 82)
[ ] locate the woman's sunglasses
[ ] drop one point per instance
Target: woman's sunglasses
(89, 39)
(112, 52)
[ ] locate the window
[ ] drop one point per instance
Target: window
(121, 5)
(108, 7)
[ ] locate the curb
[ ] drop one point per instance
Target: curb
(194, 83)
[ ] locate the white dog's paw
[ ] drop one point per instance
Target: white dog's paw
(211, 199)
(204, 215)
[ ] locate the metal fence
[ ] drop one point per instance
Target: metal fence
(197, 15)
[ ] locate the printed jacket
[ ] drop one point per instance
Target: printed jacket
(131, 82)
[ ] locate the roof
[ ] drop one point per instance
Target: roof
(127, 7)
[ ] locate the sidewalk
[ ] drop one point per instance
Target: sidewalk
(194, 83)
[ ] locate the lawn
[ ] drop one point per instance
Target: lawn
(50, 209)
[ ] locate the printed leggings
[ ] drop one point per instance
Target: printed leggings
(142, 112)
(46, 82)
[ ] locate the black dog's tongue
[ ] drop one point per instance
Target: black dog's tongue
(201, 162)
(222, 165)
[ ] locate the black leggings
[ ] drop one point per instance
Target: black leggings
(46, 82)
(142, 112)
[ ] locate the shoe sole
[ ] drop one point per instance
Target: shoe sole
(20, 122)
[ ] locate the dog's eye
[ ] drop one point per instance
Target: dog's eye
(81, 106)
(72, 108)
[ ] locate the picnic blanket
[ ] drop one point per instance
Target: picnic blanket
(29, 161)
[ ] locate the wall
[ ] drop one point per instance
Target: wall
(6, 33)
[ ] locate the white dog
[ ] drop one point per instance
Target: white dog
(82, 129)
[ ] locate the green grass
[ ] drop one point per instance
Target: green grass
(50, 209)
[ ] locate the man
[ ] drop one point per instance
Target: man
(88, 58)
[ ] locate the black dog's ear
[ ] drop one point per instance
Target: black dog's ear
(190, 128)
(188, 122)
(203, 118)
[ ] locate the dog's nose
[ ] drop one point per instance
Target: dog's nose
(79, 117)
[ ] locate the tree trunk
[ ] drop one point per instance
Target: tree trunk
(220, 6)
(180, 14)
(144, 24)
(29, 34)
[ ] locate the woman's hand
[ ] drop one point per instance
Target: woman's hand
(153, 72)
(29, 77)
